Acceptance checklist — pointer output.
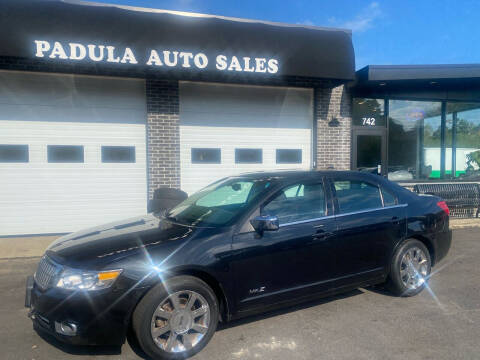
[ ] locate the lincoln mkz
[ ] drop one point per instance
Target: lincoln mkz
(243, 245)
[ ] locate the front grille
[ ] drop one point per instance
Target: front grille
(47, 270)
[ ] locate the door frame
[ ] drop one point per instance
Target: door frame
(261, 300)
(377, 131)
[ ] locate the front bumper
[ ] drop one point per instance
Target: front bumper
(98, 317)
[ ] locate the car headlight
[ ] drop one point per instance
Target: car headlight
(73, 279)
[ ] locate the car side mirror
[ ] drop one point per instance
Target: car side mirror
(265, 223)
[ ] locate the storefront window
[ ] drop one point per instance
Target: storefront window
(466, 116)
(414, 148)
(368, 112)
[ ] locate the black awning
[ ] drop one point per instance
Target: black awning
(420, 72)
(294, 50)
(427, 82)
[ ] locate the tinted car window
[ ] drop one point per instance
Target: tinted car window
(388, 198)
(296, 203)
(357, 196)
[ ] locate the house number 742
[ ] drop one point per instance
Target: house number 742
(366, 121)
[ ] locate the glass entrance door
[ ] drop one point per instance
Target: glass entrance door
(369, 150)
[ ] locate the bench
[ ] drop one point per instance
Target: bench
(463, 199)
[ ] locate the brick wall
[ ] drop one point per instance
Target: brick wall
(163, 141)
(333, 143)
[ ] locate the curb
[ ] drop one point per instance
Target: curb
(464, 223)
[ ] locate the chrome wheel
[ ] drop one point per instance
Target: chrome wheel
(180, 321)
(414, 268)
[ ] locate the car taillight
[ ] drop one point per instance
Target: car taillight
(444, 207)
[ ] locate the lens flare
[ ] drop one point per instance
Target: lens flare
(154, 269)
(424, 281)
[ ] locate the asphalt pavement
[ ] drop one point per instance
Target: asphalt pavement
(442, 323)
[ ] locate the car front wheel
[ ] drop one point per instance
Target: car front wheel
(410, 268)
(176, 319)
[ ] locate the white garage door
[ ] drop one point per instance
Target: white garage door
(230, 129)
(72, 151)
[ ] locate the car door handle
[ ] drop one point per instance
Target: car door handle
(322, 234)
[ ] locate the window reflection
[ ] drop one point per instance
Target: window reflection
(414, 140)
(355, 196)
(466, 116)
(368, 112)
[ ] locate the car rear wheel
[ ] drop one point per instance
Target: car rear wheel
(410, 269)
(176, 319)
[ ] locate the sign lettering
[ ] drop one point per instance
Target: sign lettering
(155, 58)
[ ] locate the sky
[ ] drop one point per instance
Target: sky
(398, 32)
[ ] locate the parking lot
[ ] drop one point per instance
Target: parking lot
(442, 323)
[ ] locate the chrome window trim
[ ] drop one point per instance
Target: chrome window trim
(340, 215)
(381, 195)
(307, 221)
(382, 189)
(368, 210)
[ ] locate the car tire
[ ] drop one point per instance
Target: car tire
(171, 313)
(410, 268)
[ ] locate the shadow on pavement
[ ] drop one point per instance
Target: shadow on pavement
(116, 350)
(287, 309)
(135, 346)
(381, 290)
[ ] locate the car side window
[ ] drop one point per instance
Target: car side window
(297, 202)
(353, 195)
(388, 198)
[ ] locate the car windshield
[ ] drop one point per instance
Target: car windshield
(219, 203)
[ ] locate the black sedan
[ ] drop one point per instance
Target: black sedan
(242, 245)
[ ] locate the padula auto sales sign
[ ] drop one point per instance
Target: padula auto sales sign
(162, 58)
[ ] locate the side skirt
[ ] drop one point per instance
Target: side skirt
(307, 298)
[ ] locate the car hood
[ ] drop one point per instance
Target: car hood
(110, 242)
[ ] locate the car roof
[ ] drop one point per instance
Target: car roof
(286, 176)
(292, 174)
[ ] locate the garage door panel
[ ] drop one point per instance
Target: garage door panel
(228, 117)
(23, 88)
(199, 135)
(65, 114)
(39, 132)
(239, 120)
(234, 99)
(65, 197)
